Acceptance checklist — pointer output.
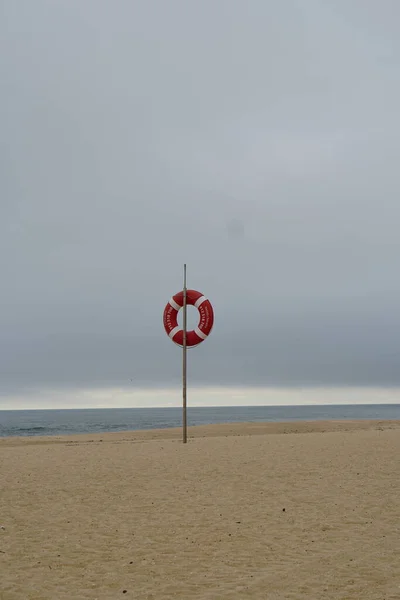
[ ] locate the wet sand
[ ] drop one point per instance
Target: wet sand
(261, 511)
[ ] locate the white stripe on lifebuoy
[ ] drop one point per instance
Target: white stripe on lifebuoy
(174, 332)
(198, 332)
(174, 304)
(200, 301)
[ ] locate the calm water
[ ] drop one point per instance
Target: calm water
(57, 422)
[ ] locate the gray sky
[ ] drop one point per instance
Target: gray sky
(135, 136)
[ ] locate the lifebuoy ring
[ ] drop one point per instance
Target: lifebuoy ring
(206, 320)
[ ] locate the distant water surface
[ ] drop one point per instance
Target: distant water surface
(61, 422)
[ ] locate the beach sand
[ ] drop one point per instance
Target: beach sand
(261, 511)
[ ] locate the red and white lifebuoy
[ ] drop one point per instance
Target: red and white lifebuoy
(206, 320)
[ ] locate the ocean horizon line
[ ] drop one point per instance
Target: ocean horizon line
(202, 407)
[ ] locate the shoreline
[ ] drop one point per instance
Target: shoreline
(208, 431)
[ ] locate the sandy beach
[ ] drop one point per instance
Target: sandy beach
(270, 511)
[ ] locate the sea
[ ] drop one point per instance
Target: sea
(103, 420)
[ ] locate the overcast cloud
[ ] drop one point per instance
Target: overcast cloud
(257, 141)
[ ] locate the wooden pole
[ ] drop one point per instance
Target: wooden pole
(184, 361)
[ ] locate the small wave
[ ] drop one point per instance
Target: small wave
(31, 428)
(25, 431)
